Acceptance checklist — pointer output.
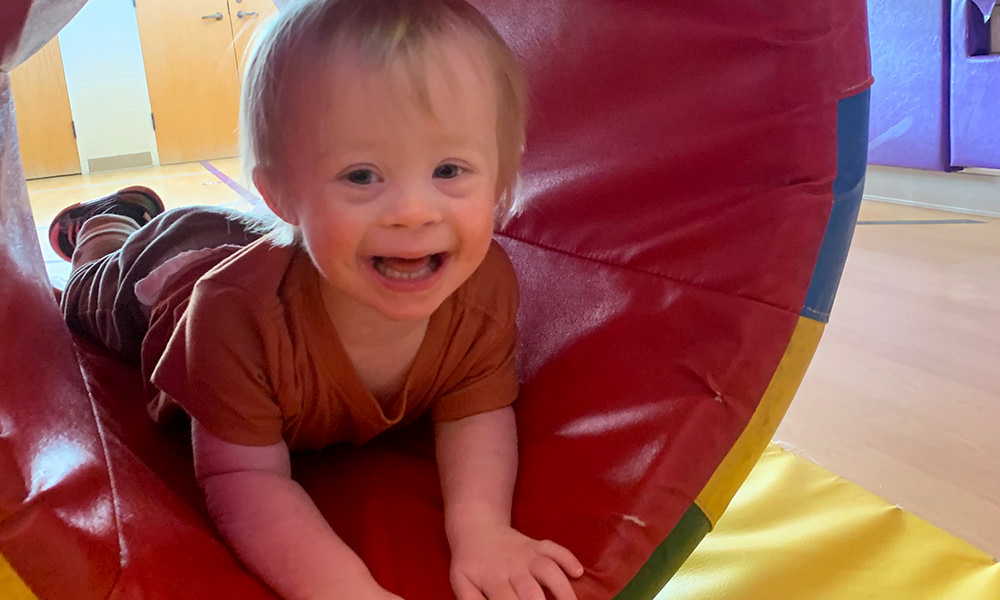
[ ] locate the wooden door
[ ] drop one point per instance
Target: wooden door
(44, 121)
(247, 16)
(191, 71)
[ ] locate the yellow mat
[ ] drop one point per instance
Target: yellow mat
(796, 532)
(11, 586)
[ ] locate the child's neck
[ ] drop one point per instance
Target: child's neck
(381, 350)
(361, 325)
(383, 356)
(377, 334)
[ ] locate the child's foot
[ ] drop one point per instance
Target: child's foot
(136, 202)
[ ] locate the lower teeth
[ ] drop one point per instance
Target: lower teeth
(431, 264)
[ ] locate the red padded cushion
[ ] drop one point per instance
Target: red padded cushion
(679, 169)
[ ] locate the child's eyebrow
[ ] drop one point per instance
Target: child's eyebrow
(460, 138)
(462, 143)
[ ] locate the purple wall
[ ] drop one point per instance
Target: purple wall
(910, 62)
(936, 98)
(975, 91)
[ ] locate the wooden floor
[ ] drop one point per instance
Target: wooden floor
(903, 396)
(216, 182)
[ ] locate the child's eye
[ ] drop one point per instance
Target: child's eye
(447, 171)
(361, 177)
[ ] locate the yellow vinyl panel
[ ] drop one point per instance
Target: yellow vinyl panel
(796, 531)
(11, 586)
(741, 458)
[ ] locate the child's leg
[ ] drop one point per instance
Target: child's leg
(100, 302)
(101, 235)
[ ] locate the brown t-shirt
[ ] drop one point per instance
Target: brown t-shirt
(252, 355)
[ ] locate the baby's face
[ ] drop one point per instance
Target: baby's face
(395, 195)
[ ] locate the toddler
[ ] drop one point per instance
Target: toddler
(386, 137)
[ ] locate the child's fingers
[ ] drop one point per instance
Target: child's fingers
(501, 591)
(563, 557)
(466, 590)
(551, 575)
(527, 587)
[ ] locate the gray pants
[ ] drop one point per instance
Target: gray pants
(99, 301)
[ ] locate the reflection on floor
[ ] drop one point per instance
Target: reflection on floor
(903, 396)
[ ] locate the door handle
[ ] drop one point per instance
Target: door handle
(240, 14)
(217, 16)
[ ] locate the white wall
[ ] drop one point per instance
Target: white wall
(106, 81)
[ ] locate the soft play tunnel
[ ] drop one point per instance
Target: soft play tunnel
(691, 182)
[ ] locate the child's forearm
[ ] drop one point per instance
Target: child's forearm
(277, 531)
(477, 459)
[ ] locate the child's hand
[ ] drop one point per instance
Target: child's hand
(504, 564)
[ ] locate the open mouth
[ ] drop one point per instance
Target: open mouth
(408, 269)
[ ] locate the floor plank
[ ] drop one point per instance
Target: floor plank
(903, 395)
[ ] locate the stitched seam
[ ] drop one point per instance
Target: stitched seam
(608, 263)
(817, 313)
(115, 496)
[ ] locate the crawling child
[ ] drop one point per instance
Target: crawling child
(386, 137)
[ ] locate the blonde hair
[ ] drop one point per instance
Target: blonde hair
(312, 32)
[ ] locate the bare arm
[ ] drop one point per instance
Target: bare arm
(477, 458)
(273, 526)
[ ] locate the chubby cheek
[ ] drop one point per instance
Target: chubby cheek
(485, 236)
(331, 241)
(479, 227)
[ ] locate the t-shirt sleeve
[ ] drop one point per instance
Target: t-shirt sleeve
(215, 366)
(485, 378)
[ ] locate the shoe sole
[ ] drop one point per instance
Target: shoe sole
(135, 189)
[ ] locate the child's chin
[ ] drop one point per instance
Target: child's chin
(405, 314)
(410, 307)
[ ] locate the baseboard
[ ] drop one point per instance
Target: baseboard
(975, 192)
(122, 161)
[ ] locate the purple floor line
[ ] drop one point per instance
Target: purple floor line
(234, 185)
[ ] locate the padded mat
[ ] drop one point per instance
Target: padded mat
(11, 587)
(796, 531)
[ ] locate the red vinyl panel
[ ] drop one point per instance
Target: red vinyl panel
(678, 172)
(13, 13)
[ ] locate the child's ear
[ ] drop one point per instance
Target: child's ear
(271, 191)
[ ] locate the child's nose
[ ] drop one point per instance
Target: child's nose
(413, 208)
